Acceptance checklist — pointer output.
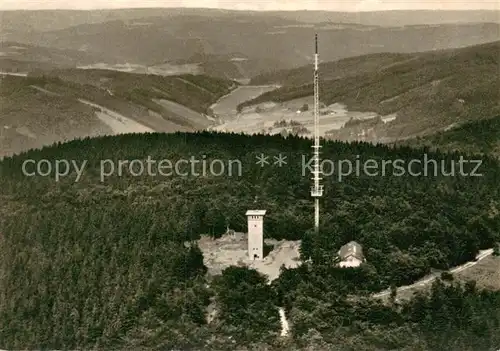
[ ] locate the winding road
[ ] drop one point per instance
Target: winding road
(482, 255)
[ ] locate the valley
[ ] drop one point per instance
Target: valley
(288, 118)
(226, 108)
(424, 92)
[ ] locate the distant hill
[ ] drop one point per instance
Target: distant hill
(46, 20)
(231, 65)
(391, 18)
(344, 68)
(269, 41)
(196, 92)
(10, 65)
(47, 55)
(427, 92)
(237, 68)
(41, 109)
(478, 137)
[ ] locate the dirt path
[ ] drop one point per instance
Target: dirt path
(482, 255)
(285, 328)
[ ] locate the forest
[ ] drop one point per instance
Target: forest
(114, 264)
(425, 90)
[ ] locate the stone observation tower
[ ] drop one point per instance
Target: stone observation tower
(256, 234)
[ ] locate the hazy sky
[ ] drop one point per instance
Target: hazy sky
(332, 5)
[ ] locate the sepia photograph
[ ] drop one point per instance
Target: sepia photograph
(259, 175)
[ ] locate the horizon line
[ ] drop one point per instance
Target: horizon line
(241, 10)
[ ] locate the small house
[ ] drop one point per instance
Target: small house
(351, 255)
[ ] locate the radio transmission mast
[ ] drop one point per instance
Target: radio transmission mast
(317, 189)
